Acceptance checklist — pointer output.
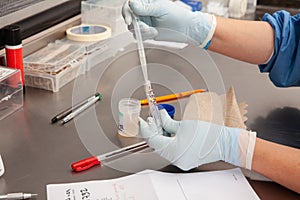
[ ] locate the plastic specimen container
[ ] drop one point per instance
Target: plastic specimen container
(129, 112)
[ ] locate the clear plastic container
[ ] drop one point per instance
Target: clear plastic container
(110, 9)
(217, 7)
(251, 6)
(54, 66)
(237, 8)
(104, 12)
(107, 13)
(11, 91)
(129, 112)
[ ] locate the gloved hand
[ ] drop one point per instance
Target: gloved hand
(165, 20)
(197, 142)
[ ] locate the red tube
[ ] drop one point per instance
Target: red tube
(13, 50)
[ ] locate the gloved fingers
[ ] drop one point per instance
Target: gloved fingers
(132, 7)
(152, 124)
(126, 13)
(154, 138)
(168, 124)
(147, 32)
(147, 129)
(143, 8)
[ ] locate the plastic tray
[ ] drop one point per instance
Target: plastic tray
(54, 66)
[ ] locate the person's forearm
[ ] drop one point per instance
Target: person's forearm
(249, 41)
(277, 162)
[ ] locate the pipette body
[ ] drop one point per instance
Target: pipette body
(154, 112)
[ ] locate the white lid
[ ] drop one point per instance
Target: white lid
(54, 57)
(1, 167)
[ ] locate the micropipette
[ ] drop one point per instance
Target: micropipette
(148, 88)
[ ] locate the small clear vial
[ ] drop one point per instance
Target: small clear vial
(129, 112)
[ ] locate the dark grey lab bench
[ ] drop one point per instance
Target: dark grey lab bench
(37, 153)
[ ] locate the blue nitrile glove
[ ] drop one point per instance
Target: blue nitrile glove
(197, 142)
(165, 20)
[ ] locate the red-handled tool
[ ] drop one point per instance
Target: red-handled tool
(85, 164)
(96, 160)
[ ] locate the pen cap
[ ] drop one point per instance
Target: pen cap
(12, 35)
(169, 108)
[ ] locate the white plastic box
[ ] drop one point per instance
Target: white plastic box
(54, 66)
(11, 91)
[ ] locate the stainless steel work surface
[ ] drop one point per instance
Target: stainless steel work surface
(36, 152)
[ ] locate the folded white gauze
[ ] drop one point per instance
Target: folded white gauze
(223, 110)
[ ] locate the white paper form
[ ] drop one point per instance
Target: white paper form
(226, 184)
(133, 187)
(154, 185)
